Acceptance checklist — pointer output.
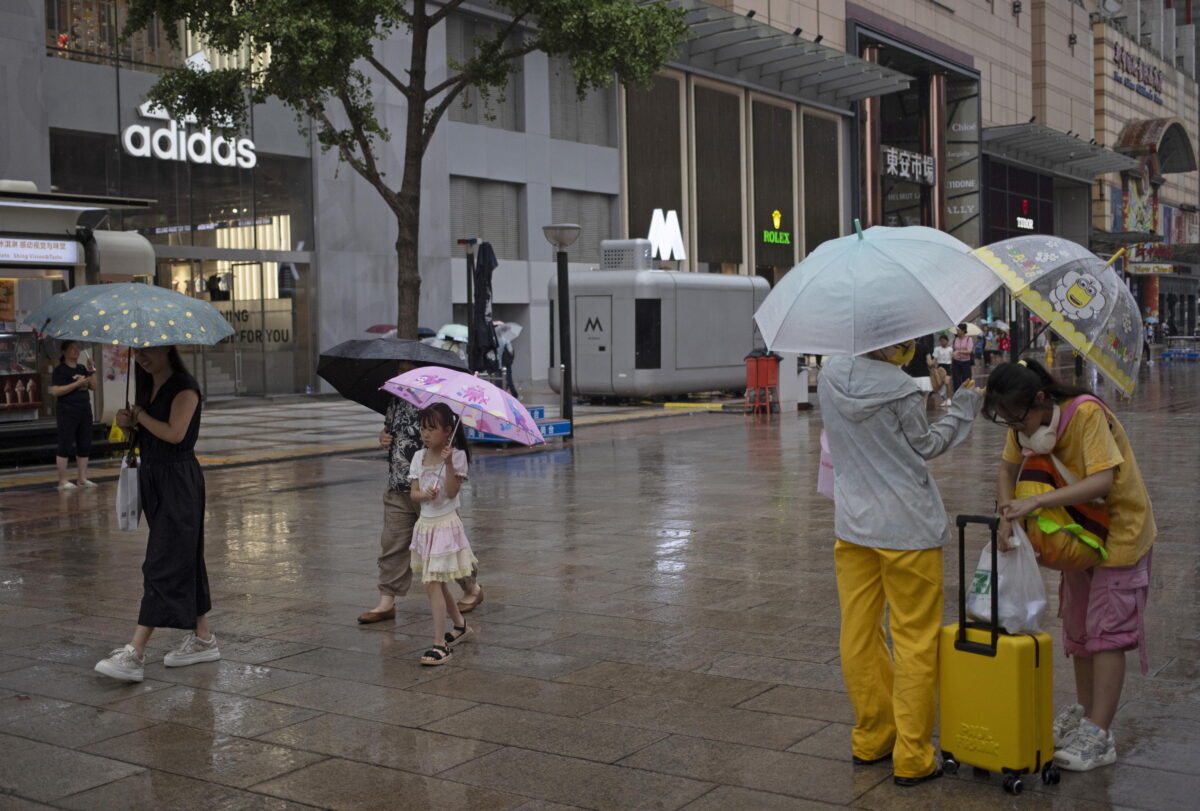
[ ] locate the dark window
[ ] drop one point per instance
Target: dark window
(718, 138)
(647, 327)
(772, 130)
(822, 198)
(652, 138)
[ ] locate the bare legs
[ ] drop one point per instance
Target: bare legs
(1098, 683)
(61, 462)
(81, 462)
(142, 635)
(441, 603)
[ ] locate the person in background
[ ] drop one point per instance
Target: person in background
(943, 356)
(72, 384)
(890, 526)
(175, 591)
(962, 351)
(401, 438)
(1102, 608)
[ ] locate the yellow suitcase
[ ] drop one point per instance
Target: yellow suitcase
(996, 691)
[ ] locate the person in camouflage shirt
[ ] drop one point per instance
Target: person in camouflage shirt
(401, 438)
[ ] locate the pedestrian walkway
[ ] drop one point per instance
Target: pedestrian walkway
(236, 433)
(659, 630)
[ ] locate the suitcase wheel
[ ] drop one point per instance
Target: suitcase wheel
(949, 764)
(1051, 775)
(1013, 784)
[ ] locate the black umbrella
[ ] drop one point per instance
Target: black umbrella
(358, 368)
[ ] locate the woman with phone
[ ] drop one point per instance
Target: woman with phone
(71, 385)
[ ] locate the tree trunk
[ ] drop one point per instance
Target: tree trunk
(408, 269)
(408, 202)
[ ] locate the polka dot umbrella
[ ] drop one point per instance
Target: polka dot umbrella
(130, 314)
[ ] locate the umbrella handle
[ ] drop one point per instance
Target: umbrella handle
(1116, 256)
(450, 442)
(858, 227)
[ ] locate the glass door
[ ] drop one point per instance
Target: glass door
(244, 281)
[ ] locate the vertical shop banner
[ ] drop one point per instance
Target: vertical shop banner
(963, 218)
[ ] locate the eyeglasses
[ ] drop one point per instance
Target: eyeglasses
(1017, 423)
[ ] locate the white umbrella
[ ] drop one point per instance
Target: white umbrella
(873, 289)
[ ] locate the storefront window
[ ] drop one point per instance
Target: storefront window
(652, 142)
(717, 135)
(774, 230)
(822, 187)
(1020, 202)
(963, 218)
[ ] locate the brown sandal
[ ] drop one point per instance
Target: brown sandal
(468, 603)
(377, 616)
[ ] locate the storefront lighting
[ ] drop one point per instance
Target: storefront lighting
(1017, 8)
(797, 32)
(819, 38)
(1072, 40)
(750, 14)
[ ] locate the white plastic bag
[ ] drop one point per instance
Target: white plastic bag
(825, 473)
(1021, 593)
(128, 508)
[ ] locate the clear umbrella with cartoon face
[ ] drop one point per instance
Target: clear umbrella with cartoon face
(1078, 295)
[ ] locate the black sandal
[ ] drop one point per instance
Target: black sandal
(453, 638)
(437, 655)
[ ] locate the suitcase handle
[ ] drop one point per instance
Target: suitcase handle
(961, 643)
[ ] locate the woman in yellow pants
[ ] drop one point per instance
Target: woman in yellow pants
(890, 525)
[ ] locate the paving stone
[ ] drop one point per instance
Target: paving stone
(755, 768)
(369, 701)
(74, 684)
(822, 705)
(363, 667)
(153, 790)
(571, 781)
(342, 784)
(204, 755)
(226, 676)
(412, 750)
(521, 692)
(39, 771)
(220, 712)
(573, 737)
(706, 721)
(75, 725)
(697, 687)
(724, 798)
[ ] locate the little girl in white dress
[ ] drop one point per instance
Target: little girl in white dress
(440, 549)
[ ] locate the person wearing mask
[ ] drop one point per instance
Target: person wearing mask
(890, 526)
(962, 351)
(72, 385)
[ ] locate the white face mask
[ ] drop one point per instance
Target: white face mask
(1044, 438)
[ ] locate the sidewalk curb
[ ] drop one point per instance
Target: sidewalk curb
(36, 481)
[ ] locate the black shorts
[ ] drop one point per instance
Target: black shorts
(74, 431)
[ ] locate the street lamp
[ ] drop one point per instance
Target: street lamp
(469, 244)
(563, 236)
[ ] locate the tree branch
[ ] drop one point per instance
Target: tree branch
(443, 12)
(364, 143)
(404, 88)
(346, 150)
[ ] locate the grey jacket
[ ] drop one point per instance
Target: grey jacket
(879, 439)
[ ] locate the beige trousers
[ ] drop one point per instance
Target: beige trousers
(395, 573)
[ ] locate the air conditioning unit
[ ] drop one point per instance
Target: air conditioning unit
(625, 254)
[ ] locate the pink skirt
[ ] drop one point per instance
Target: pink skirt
(440, 550)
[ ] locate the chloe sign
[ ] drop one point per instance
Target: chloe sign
(174, 142)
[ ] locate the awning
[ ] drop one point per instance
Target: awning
(1110, 242)
(725, 44)
(1165, 140)
(1047, 150)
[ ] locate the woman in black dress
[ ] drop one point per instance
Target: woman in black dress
(72, 384)
(171, 491)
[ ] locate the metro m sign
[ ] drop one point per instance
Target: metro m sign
(666, 240)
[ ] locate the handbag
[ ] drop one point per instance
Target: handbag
(825, 473)
(115, 434)
(128, 505)
(1067, 538)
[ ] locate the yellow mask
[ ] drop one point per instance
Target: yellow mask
(902, 354)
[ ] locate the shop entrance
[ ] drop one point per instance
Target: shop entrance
(266, 303)
(26, 362)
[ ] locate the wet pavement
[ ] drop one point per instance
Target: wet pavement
(659, 630)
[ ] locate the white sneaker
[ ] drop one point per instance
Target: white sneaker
(122, 664)
(1089, 748)
(86, 483)
(193, 650)
(1065, 724)
(66, 486)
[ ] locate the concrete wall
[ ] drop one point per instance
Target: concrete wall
(24, 152)
(1062, 73)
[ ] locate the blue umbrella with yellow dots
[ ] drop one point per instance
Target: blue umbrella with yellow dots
(131, 314)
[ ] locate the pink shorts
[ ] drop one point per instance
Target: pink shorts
(1102, 609)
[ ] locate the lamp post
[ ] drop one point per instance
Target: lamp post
(469, 244)
(562, 236)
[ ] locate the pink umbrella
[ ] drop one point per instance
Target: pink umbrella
(478, 404)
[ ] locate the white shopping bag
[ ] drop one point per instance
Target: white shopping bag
(1021, 596)
(825, 473)
(128, 506)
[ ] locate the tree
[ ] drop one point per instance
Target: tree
(322, 59)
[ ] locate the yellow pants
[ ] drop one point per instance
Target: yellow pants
(894, 694)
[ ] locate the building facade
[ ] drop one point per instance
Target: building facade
(778, 124)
